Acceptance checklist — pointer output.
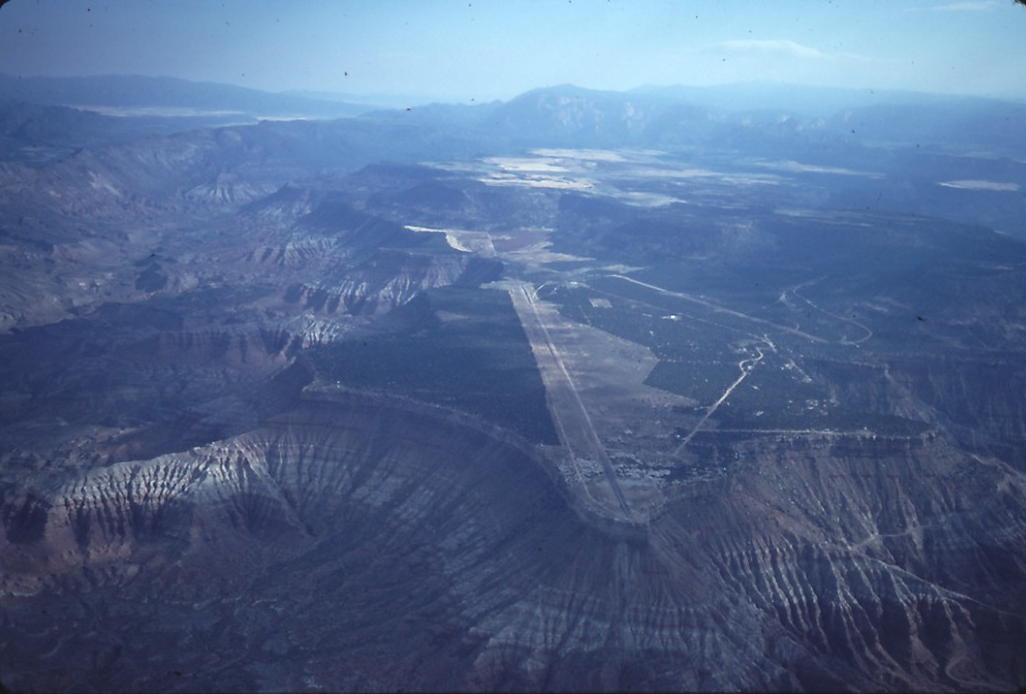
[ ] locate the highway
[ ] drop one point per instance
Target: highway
(722, 309)
(850, 321)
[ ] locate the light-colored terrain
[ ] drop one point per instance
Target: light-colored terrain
(575, 425)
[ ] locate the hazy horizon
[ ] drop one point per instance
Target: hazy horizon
(482, 51)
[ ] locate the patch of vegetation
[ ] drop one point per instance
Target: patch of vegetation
(698, 353)
(470, 354)
(702, 380)
(739, 414)
(671, 336)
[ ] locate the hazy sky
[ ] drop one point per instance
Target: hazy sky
(496, 49)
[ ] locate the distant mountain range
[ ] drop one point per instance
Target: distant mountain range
(135, 92)
(921, 138)
(801, 99)
(757, 118)
(159, 96)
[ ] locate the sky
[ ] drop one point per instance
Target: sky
(495, 49)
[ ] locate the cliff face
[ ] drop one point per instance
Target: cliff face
(358, 543)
